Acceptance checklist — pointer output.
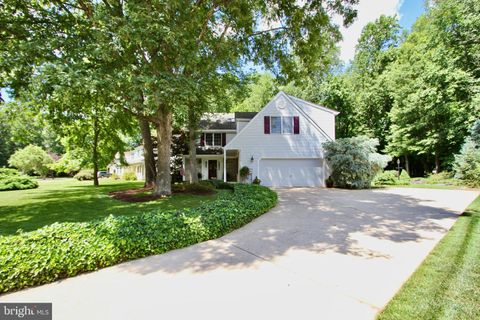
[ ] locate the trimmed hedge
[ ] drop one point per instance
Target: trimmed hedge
(67, 249)
(10, 179)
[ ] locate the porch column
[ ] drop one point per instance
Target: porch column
(224, 165)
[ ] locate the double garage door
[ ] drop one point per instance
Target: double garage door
(292, 172)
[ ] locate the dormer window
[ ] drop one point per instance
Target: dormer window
(213, 139)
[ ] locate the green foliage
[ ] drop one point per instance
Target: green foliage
(354, 162)
(8, 172)
(261, 89)
(390, 177)
(201, 187)
(467, 164)
(220, 184)
(67, 249)
(31, 160)
(244, 172)
(68, 163)
(256, 181)
(129, 176)
(10, 179)
(114, 176)
(85, 174)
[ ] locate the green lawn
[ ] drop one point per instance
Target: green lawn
(447, 284)
(63, 200)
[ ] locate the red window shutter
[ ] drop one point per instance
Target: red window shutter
(224, 139)
(266, 125)
(202, 140)
(296, 125)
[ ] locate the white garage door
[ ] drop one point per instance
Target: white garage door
(291, 172)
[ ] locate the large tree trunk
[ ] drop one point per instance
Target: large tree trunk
(96, 133)
(192, 148)
(149, 157)
(164, 134)
(407, 165)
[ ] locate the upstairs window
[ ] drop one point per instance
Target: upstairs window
(211, 139)
(287, 125)
(275, 124)
(282, 125)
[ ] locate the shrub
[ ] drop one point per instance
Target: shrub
(244, 172)
(129, 176)
(31, 159)
(354, 161)
(67, 249)
(467, 164)
(220, 184)
(201, 187)
(7, 172)
(390, 177)
(84, 175)
(17, 182)
(115, 176)
(256, 181)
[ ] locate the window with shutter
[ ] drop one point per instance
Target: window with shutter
(296, 125)
(266, 125)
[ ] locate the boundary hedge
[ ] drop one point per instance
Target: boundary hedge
(67, 249)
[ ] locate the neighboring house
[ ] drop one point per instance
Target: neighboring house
(281, 144)
(135, 163)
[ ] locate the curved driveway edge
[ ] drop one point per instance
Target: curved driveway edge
(320, 254)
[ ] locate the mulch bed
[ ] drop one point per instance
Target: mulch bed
(131, 195)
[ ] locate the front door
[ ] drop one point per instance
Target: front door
(212, 169)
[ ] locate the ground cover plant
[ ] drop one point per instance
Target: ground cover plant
(447, 283)
(66, 249)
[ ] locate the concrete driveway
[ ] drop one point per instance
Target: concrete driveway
(320, 254)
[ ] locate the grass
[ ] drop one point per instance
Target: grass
(69, 200)
(447, 283)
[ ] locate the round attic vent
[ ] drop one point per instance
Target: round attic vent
(281, 103)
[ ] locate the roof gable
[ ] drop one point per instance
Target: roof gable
(279, 101)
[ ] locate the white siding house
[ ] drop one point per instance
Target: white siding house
(277, 155)
(281, 145)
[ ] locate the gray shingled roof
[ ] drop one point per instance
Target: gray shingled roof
(245, 115)
(218, 121)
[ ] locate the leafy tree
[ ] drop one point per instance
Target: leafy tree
(159, 49)
(337, 93)
(261, 89)
(354, 162)
(31, 160)
(433, 98)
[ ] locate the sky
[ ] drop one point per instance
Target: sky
(368, 11)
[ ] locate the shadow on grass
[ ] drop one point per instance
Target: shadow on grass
(80, 204)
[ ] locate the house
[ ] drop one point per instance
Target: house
(135, 163)
(281, 144)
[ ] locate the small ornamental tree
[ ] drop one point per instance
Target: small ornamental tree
(354, 162)
(467, 163)
(31, 160)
